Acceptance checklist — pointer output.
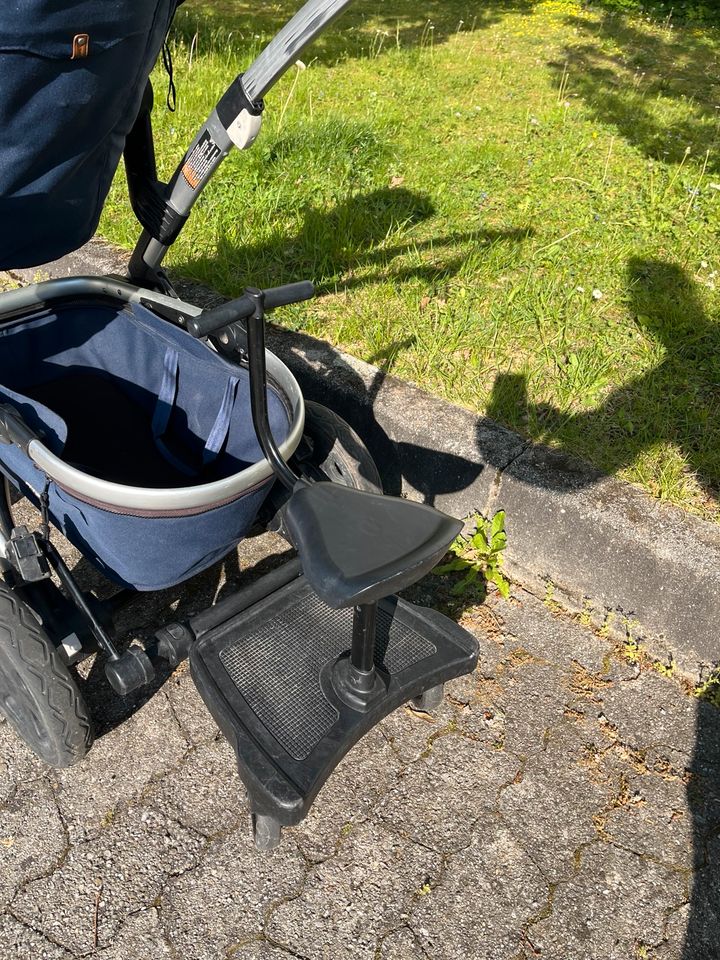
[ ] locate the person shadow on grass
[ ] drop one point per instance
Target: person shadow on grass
(677, 402)
(351, 245)
(360, 240)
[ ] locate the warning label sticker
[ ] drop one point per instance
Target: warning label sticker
(200, 161)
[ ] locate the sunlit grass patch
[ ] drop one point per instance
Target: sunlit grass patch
(515, 205)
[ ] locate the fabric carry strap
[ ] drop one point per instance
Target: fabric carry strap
(165, 405)
(221, 428)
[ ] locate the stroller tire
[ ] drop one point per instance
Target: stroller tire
(338, 452)
(38, 694)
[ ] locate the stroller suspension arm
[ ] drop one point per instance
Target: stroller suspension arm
(235, 122)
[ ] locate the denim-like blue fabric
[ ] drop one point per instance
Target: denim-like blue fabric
(128, 346)
(63, 122)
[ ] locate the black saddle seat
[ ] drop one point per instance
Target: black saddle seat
(358, 547)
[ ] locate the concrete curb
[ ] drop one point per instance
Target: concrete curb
(594, 544)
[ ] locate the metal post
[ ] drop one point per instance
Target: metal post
(356, 681)
(362, 652)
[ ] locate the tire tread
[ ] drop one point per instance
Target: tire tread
(50, 677)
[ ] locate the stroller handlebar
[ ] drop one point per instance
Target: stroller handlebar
(285, 48)
(210, 321)
(235, 121)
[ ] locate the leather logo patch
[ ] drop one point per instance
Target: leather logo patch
(80, 46)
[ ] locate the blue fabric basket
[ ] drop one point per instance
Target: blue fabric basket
(65, 111)
(124, 398)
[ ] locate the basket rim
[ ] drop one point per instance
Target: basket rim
(155, 499)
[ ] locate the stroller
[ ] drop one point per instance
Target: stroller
(153, 435)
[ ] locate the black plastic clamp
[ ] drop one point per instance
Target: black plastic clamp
(174, 641)
(25, 552)
(234, 101)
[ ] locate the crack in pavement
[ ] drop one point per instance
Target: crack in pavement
(390, 933)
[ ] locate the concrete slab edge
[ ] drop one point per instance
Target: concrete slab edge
(599, 547)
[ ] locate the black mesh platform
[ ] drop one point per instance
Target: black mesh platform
(266, 677)
(277, 666)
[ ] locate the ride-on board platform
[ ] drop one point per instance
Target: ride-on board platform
(268, 678)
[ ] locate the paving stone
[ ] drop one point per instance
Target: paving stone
(401, 945)
(32, 838)
(620, 668)
(224, 901)
(549, 637)
(484, 724)
(654, 818)
(18, 942)
(404, 854)
(260, 950)
(652, 712)
(141, 937)
(705, 761)
(535, 700)
(355, 897)
(204, 792)
(676, 945)
(551, 810)
(488, 893)
(703, 795)
(350, 795)
(408, 731)
(127, 865)
(484, 621)
(192, 715)
(616, 901)
(581, 736)
(484, 716)
(119, 767)
(18, 763)
(463, 692)
(703, 920)
(439, 798)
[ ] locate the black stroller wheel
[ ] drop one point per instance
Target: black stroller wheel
(38, 694)
(338, 453)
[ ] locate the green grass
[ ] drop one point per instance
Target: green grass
(515, 205)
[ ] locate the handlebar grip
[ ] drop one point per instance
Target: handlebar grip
(288, 293)
(211, 320)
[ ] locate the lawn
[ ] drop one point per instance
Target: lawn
(515, 205)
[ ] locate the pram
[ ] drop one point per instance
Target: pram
(154, 434)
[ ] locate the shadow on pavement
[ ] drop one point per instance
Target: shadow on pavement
(703, 789)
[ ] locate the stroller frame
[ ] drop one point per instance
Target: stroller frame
(297, 666)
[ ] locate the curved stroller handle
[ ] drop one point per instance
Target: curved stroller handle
(209, 321)
(235, 122)
(285, 48)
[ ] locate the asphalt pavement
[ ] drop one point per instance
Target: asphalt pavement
(563, 803)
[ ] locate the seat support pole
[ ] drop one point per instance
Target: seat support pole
(355, 678)
(362, 653)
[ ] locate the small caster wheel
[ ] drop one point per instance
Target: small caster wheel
(266, 831)
(430, 699)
